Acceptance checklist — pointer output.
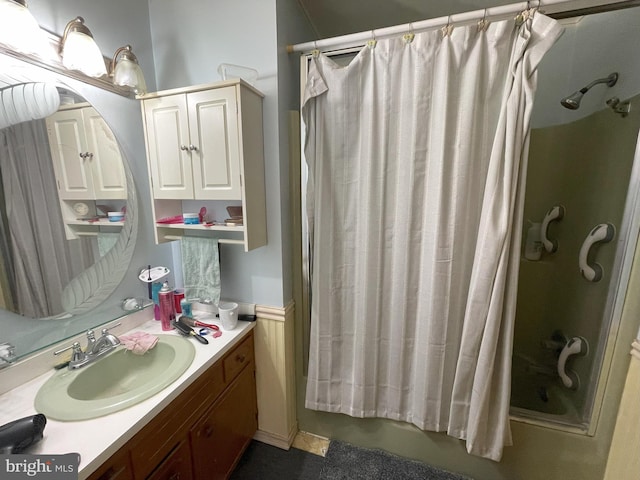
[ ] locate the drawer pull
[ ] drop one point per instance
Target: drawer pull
(208, 431)
(175, 476)
(240, 358)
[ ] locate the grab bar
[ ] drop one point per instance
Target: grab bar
(575, 346)
(603, 232)
(555, 213)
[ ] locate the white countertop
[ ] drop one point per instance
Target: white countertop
(99, 438)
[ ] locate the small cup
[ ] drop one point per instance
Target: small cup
(185, 307)
(178, 296)
(190, 218)
(228, 312)
(115, 216)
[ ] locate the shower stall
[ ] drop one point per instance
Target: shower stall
(580, 229)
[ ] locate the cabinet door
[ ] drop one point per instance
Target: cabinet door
(221, 436)
(109, 181)
(68, 145)
(168, 147)
(215, 155)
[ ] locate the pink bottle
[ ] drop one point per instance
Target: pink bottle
(167, 306)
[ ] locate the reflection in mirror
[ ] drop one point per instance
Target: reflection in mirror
(61, 172)
(60, 175)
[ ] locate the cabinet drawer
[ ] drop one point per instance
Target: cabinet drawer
(235, 360)
(177, 466)
(118, 467)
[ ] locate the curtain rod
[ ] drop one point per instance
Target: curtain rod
(492, 13)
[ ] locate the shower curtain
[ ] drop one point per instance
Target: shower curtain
(44, 261)
(416, 155)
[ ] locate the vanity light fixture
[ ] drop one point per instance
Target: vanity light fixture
(19, 30)
(126, 71)
(79, 50)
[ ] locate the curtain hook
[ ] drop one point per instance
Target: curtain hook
(372, 43)
(315, 52)
(524, 15)
(448, 28)
(483, 24)
(408, 37)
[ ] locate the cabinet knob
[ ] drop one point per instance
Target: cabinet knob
(175, 476)
(193, 148)
(184, 148)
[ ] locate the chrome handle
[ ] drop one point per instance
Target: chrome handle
(89, 155)
(75, 346)
(193, 148)
(184, 147)
(106, 329)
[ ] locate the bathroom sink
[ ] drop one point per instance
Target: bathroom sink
(115, 382)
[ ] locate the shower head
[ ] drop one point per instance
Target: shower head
(572, 102)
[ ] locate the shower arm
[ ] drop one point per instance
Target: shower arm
(610, 81)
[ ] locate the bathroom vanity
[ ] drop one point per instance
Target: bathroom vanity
(199, 435)
(196, 428)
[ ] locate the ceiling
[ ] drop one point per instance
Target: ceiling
(332, 18)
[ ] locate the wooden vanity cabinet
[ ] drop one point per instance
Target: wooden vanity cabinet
(221, 436)
(202, 434)
(177, 466)
(118, 467)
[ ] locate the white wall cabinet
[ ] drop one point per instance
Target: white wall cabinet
(88, 167)
(205, 148)
(86, 156)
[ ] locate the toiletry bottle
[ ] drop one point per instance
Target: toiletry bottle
(155, 290)
(167, 306)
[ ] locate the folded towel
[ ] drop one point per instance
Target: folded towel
(201, 269)
(106, 241)
(139, 342)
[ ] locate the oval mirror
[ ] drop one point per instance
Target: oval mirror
(61, 175)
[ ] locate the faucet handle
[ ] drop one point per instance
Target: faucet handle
(106, 330)
(78, 354)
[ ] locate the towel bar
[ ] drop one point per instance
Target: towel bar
(220, 240)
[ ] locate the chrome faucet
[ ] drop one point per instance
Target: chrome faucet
(7, 354)
(96, 348)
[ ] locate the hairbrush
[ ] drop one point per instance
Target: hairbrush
(192, 322)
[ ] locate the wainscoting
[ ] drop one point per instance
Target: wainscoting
(275, 375)
(624, 456)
